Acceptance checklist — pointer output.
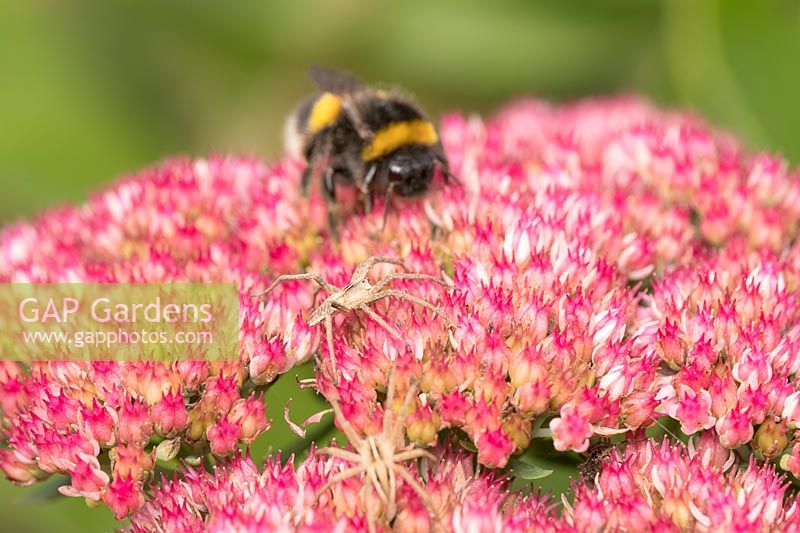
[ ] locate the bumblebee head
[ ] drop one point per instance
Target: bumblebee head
(410, 171)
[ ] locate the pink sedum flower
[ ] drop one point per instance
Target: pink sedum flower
(88, 479)
(571, 431)
(251, 416)
(124, 496)
(494, 448)
(170, 415)
(734, 429)
(224, 437)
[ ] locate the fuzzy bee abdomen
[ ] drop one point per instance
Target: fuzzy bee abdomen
(311, 118)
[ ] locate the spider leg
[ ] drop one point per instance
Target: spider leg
(376, 259)
(362, 269)
(426, 500)
(390, 390)
(398, 427)
(329, 338)
(378, 473)
(347, 455)
(341, 476)
(381, 322)
(348, 430)
(324, 286)
(414, 454)
(405, 275)
(393, 492)
(339, 307)
(413, 299)
(314, 294)
(371, 480)
(289, 277)
(370, 515)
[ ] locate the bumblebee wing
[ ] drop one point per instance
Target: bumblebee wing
(338, 82)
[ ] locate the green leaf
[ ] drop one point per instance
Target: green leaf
(526, 470)
(45, 491)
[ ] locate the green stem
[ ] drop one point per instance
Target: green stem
(250, 387)
(539, 420)
(542, 433)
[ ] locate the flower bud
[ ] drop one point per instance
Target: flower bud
(494, 448)
(135, 425)
(301, 342)
(99, 422)
(131, 460)
(527, 366)
(267, 361)
(199, 420)
(771, 438)
(519, 431)
(791, 461)
(422, 426)
(571, 431)
(168, 449)
(223, 437)
(169, 414)
(220, 394)
(250, 414)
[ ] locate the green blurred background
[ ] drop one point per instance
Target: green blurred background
(93, 89)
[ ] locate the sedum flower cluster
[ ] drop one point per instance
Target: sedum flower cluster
(608, 267)
(649, 487)
(238, 496)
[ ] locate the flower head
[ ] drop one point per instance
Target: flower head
(606, 263)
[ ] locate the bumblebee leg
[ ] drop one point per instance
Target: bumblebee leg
(444, 165)
(329, 192)
(387, 202)
(368, 202)
(319, 152)
(306, 179)
(366, 188)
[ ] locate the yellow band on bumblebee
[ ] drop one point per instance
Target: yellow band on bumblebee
(399, 134)
(324, 112)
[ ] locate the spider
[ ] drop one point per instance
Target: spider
(379, 457)
(357, 295)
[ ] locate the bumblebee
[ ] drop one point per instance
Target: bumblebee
(354, 134)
